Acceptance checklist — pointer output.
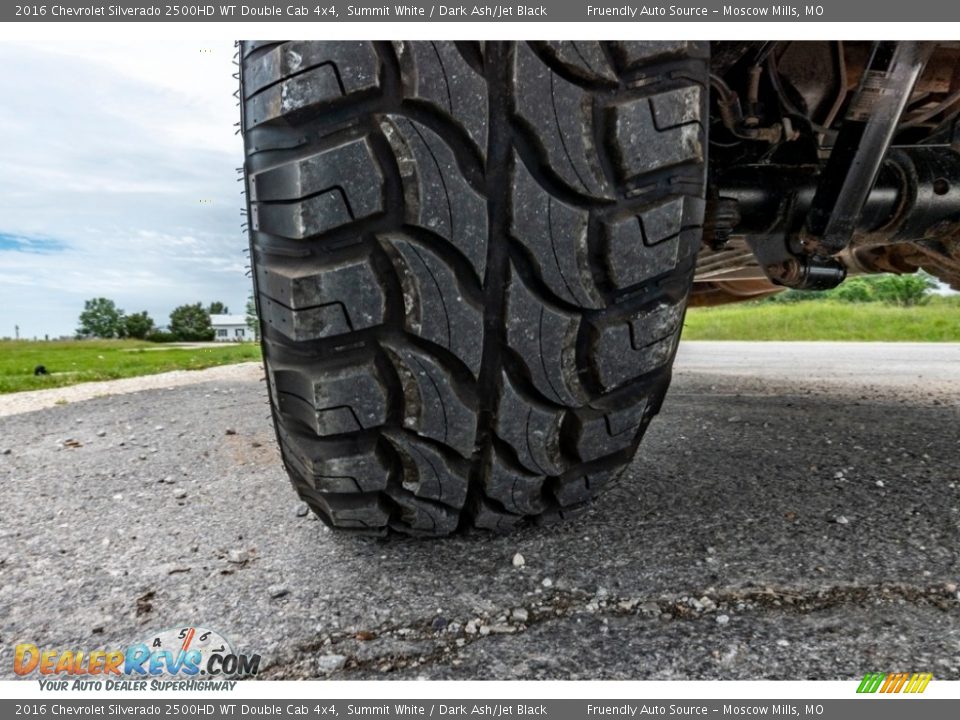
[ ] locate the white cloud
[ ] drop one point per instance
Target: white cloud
(109, 149)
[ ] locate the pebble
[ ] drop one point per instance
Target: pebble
(723, 619)
(470, 628)
(842, 520)
(7, 451)
(303, 510)
(547, 582)
(101, 433)
(519, 561)
(277, 591)
(238, 557)
(520, 615)
(879, 483)
(484, 630)
(179, 493)
(783, 642)
(230, 431)
(330, 663)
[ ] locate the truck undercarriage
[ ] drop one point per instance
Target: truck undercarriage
(829, 159)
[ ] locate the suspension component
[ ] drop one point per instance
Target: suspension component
(861, 145)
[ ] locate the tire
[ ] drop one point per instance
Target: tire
(471, 265)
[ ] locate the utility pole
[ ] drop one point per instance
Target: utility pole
(16, 331)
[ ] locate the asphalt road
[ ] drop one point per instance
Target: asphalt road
(794, 513)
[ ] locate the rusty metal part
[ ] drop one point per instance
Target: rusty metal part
(817, 272)
(939, 258)
(734, 261)
(710, 294)
(721, 217)
(861, 145)
(915, 202)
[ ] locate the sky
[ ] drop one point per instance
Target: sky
(117, 179)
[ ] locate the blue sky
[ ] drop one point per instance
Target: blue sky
(117, 179)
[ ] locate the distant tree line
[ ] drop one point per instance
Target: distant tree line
(101, 318)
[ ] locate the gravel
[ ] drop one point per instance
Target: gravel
(327, 664)
(713, 520)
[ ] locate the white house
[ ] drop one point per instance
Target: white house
(231, 328)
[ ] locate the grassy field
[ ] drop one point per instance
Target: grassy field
(937, 321)
(76, 361)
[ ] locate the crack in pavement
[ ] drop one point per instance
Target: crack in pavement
(430, 641)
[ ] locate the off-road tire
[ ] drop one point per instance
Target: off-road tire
(471, 264)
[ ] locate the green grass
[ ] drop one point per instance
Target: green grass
(77, 361)
(936, 321)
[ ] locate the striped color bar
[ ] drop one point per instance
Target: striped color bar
(894, 682)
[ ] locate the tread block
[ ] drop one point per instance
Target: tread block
(432, 406)
(360, 512)
(427, 473)
(633, 55)
(582, 487)
(488, 517)
(435, 308)
(609, 433)
(627, 349)
(585, 58)
(308, 91)
(435, 72)
(437, 196)
(353, 64)
(545, 338)
(332, 472)
(333, 401)
(349, 166)
(533, 431)
(519, 493)
(655, 132)
(419, 517)
(654, 242)
(318, 193)
(306, 302)
(561, 114)
(249, 46)
(557, 236)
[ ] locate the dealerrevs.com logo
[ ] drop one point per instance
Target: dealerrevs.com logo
(177, 659)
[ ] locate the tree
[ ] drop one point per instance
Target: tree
(101, 318)
(138, 325)
(904, 290)
(191, 322)
(218, 308)
(853, 290)
(253, 322)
